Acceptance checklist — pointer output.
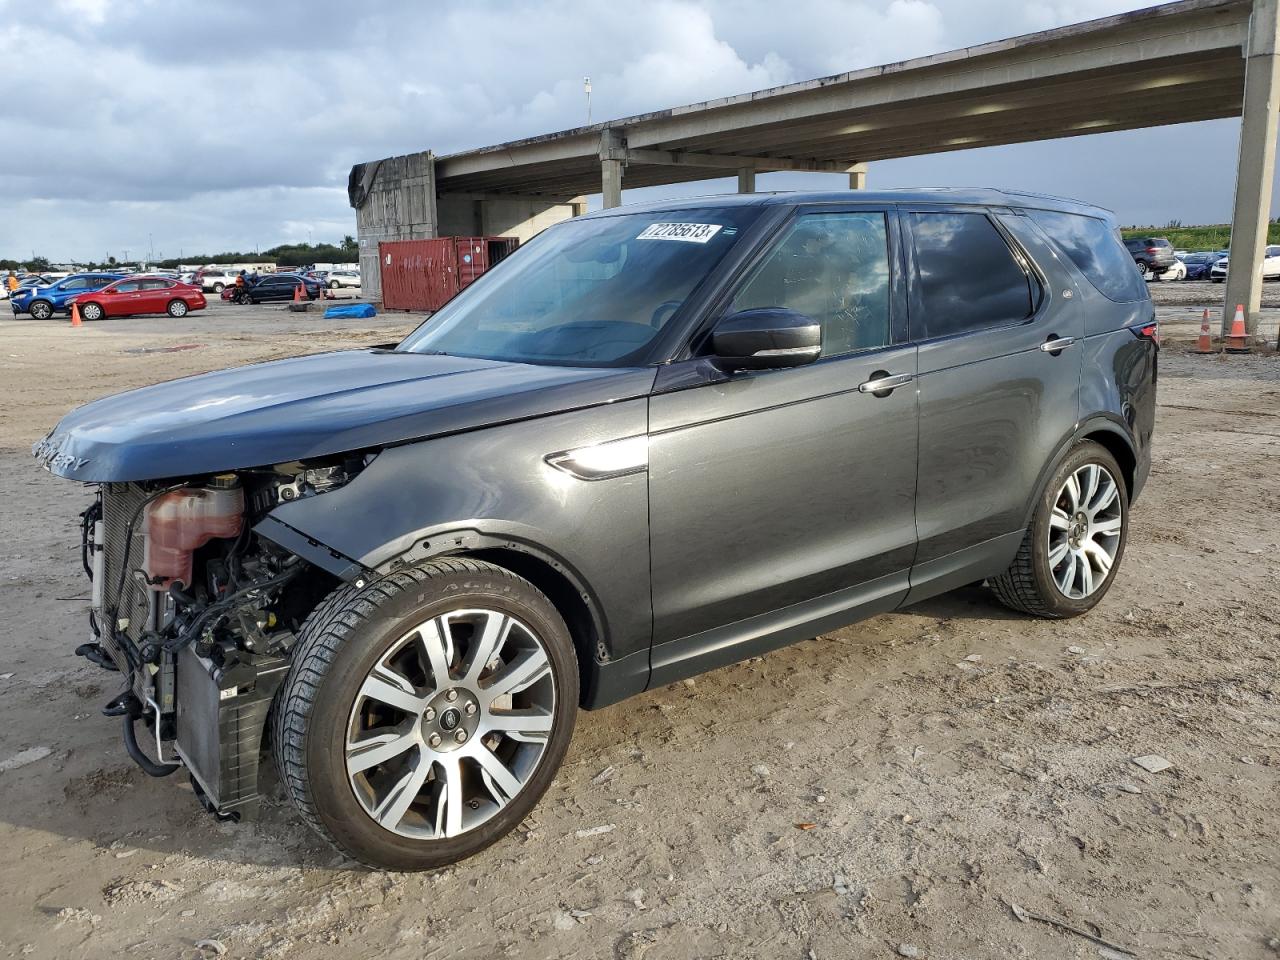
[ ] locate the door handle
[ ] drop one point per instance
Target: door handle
(883, 383)
(1056, 344)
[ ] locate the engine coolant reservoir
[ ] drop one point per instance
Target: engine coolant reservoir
(182, 520)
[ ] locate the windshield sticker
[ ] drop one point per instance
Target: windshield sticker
(686, 232)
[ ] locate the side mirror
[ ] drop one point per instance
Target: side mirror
(765, 338)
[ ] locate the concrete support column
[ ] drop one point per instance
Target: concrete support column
(579, 206)
(613, 151)
(747, 180)
(858, 176)
(1255, 166)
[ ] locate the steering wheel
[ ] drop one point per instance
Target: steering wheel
(662, 313)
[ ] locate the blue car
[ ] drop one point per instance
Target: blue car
(1199, 264)
(43, 302)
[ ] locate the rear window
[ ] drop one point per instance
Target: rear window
(1157, 242)
(1095, 250)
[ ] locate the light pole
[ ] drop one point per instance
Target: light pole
(586, 86)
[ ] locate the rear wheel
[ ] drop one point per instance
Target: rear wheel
(333, 284)
(426, 714)
(219, 287)
(177, 308)
(41, 309)
(1076, 539)
(91, 311)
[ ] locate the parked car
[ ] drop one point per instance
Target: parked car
(343, 278)
(1270, 266)
(42, 302)
(1198, 265)
(1153, 255)
(213, 281)
(140, 295)
(654, 441)
(25, 282)
(1176, 272)
(281, 286)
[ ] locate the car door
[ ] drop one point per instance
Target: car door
(154, 296)
(125, 300)
(1000, 348)
(781, 502)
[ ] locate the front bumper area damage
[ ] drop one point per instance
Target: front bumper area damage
(197, 612)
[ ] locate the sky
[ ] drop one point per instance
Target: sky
(171, 127)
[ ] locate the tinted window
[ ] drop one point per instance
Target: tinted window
(79, 283)
(1159, 243)
(155, 284)
(589, 291)
(969, 279)
(1273, 251)
(833, 267)
(1092, 247)
(129, 287)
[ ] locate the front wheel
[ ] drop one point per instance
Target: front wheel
(426, 713)
(333, 284)
(1068, 558)
(91, 311)
(41, 309)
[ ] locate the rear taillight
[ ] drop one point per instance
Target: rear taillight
(1153, 249)
(1147, 331)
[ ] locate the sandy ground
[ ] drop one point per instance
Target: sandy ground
(891, 789)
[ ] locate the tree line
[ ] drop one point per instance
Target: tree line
(284, 255)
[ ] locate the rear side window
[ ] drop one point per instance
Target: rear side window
(1093, 248)
(969, 278)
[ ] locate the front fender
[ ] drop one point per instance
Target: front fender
(493, 488)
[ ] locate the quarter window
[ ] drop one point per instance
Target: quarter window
(833, 267)
(1091, 245)
(969, 278)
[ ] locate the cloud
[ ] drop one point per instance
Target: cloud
(217, 125)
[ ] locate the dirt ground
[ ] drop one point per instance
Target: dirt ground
(891, 789)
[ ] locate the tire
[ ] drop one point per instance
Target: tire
(1143, 270)
(333, 284)
(367, 639)
(40, 309)
(1033, 582)
(177, 308)
(219, 287)
(91, 311)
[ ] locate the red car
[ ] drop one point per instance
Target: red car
(135, 295)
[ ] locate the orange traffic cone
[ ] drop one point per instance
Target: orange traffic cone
(75, 315)
(297, 293)
(1237, 339)
(1205, 343)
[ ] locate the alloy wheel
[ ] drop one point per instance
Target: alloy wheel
(41, 310)
(91, 311)
(450, 724)
(1084, 531)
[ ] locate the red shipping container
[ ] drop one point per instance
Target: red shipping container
(425, 274)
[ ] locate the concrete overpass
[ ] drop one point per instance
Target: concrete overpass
(1181, 62)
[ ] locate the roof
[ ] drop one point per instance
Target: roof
(984, 196)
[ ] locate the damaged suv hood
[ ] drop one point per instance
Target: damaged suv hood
(312, 406)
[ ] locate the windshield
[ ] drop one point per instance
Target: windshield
(589, 292)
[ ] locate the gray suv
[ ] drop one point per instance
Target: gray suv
(1151, 255)
(653, 441)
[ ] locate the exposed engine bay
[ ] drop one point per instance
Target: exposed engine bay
(199, 613)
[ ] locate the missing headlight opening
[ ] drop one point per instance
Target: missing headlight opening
(198, 614)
